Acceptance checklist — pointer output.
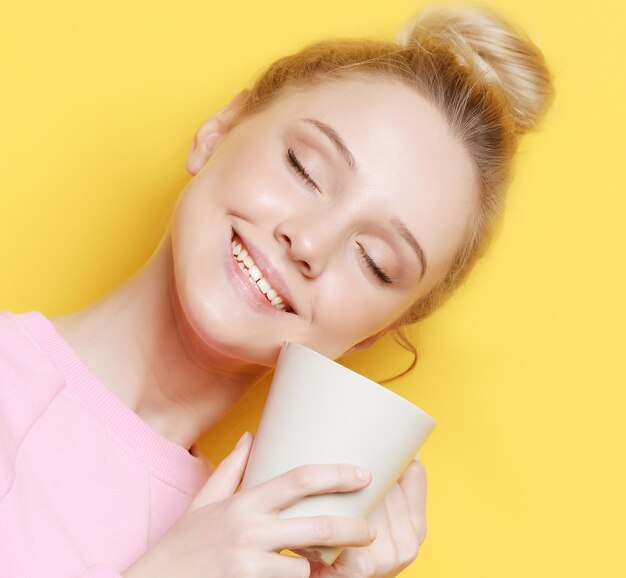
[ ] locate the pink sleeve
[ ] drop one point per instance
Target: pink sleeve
(99, 572)
(86, 485)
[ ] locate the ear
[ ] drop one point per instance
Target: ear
(365, 343)
(212, 131)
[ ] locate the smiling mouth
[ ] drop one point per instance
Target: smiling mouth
(251, 270)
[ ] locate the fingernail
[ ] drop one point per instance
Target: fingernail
(362, 474)
(242, 440)
(373, 533)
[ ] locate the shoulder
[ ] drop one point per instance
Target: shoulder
(28, 379)
(22, 359)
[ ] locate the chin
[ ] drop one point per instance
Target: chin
(209, 311)
(215, 330)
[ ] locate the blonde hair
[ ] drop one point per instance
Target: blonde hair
(483, 73)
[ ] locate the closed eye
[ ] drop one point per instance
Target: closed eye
(301, 171)
(293, 161)
(384, 278)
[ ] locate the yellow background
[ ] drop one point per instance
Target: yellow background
(522, 369)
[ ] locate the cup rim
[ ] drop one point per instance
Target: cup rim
(387, 391)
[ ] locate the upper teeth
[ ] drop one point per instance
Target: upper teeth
(250, 270)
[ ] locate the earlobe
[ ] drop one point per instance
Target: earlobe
(212, 131)
(367, 342)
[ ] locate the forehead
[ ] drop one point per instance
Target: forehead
(374, 116)
(407, 156)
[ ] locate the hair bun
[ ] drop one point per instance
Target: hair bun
(496, 50)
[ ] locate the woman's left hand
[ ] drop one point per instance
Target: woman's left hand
(400, 522)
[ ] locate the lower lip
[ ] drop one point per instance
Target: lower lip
(253, 295)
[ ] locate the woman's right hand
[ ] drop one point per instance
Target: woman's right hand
(224, 534)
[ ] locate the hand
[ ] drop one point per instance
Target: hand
(224, 534)
(400, 521)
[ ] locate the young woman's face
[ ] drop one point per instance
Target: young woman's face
(308, 235)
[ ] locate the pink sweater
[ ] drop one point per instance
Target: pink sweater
(86, 486)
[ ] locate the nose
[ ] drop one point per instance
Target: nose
(307, 241)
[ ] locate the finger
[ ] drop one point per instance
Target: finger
(225, 479)
(383, 545)
(304, 532)
(290, 487)
(377, 558)
(404, 534)
(414, 486)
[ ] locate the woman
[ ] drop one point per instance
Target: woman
(345, 195)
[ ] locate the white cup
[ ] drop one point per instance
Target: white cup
(320, 412)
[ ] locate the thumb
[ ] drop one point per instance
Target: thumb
(226, 478)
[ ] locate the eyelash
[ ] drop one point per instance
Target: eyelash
(378, 272)
(293, 160)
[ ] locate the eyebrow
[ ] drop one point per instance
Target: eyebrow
(404, 232)
(336, 140)
(398, 226)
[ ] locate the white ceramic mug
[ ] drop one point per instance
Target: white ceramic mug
(318, 411)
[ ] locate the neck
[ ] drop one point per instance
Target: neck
(137, 341)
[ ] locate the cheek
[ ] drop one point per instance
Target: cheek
(252, 181)
(346, 309)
